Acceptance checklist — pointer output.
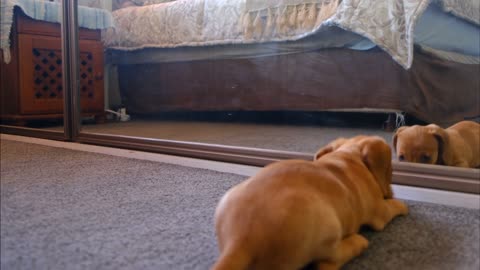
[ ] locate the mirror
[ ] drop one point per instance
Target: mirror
(283, 76)
(31, 75)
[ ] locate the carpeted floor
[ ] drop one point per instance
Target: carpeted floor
(63, 209)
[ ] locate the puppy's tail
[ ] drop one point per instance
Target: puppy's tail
(232, 259)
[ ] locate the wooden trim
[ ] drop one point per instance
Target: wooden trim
(242, 155)
(437, 177)
(434, 169)
(426, 176)
(14, 117)
(33, 132)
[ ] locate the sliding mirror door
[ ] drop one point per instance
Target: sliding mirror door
(173, 77)
(281, 77)
(31, 75)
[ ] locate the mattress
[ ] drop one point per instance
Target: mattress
(222, 22)
(436, 31)
(327, 37)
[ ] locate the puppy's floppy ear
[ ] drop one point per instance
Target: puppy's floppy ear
(323, 151)
(332, 146)
(377, 156)
(394, 139)
(442, 138)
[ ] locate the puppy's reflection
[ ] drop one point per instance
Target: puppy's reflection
(458, 145)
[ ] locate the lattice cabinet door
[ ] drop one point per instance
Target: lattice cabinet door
(40, 66)
(91, 76)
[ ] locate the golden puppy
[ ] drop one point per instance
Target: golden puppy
(458, 145)
(296, 212)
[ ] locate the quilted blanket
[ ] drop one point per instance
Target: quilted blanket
(388, 23)
(214, 22)
(465, 9)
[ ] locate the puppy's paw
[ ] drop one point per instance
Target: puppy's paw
(353, 245)
(461, 164)
(327, 266)
(400, 207)
(360, 242)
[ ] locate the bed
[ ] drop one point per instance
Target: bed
(418, 57)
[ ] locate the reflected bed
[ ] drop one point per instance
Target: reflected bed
(252, 61)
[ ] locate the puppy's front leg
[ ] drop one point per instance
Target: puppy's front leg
(461, 164)
(386, 211)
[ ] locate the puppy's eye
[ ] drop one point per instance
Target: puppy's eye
(401, 157)
(425, 159)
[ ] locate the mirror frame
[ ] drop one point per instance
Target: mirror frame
(410, 174)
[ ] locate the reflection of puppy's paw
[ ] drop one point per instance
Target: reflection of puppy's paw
(461, 164)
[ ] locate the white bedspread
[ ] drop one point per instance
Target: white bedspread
(389, 23)
(214, 22)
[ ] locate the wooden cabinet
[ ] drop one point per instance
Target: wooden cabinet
(31, 84)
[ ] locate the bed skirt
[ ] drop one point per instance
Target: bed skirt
(433, 90)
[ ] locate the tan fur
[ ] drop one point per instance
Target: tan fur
(458, 145)
(296, 212)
